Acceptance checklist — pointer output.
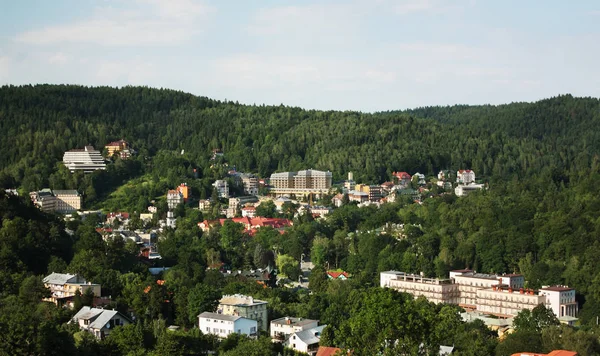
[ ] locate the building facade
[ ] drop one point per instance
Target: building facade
(174, 198)
(499, 295)
(250, 183)
(57, 201)
(304, 182)
(116, 146)
(465, 176)
(222, 188)
(64, 286)
(464, 190)
(306, 341)
(225, 325)
(86, 159)
(282, 328)
(245, 306)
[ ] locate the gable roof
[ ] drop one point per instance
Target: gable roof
(336, 275)
(99, 317)
(311, 336)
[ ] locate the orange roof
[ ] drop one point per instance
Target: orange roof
(553, 353)
(328, 351)
(335, 274)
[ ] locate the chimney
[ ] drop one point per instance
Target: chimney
(288, 321)
(521, 291)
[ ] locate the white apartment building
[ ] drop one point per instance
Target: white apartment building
(504, 301)
(306, 341)
(86, 159)
(224, 325)
(282, 328)
(245, 306)
(465, 176)
(222, 188)
(174, 198)
(304, 182)
(434, 289)
(561, 299)
(500, 295)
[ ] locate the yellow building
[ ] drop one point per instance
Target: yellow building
(116, 146)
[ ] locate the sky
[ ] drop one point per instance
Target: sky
(366, 55)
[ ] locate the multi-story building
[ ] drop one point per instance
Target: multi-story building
(463, 190)
(349, 184)
(64, 287)
(434, 289)
(185, 191)
(99, 322)
(282, 328)
(504, 301)
(222, 188)
(204, 204)
(561, 299)
(174, 198)
(500, 295)
(245, 306)
(225, 325)
(250, 183)
(465, 176)
(403, 178)
(58, 201)
(374, 192)
(116, 146)
(301, 183)
(86, 159)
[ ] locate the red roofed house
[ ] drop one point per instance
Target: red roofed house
(403, 178)
(249, 211)
(338, 275)
(111, 217)
(250, 224)
(116, 147)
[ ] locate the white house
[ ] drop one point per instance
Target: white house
(306, 340)
(64, 287)
(282, 328)
(465, 176)
(224, 325)
(98, 321)
(174, 198)
(420, 178)
(561, 299)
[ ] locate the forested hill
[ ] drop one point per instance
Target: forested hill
(39, 123)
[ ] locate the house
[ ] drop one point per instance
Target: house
(337, 200)
(282, 328)
(249, 211)
(171, 220)
(403, 178)
(204, 204)
(174, 198)
(116, 146)
(244, 306)
(341, 275)
(86, 159)
(420, 178)
(250, 183)
(63, 287)
(98, 321)
(561, 299)
(387, 187)
(250, 224)
(306, 341)
(465, 176)
(358, 196)
(222, 188)
(112, 218)
(223, 325)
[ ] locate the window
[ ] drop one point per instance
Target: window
(207, 329)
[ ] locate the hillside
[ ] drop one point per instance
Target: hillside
(41, 122)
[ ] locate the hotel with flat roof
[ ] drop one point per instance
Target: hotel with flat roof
(304, 182)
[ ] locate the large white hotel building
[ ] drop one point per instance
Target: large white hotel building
(500, 295)
(305, 182)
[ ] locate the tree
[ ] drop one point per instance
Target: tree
(200, 299)
(535, 320)
(266, 209)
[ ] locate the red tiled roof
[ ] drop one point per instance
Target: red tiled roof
(335, 274)
(402, 175)
(327, 351)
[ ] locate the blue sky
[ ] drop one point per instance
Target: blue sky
(367, 55)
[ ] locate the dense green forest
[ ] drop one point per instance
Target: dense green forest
(540, 216)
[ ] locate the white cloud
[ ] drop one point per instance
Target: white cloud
(58, 58)
(151, 22)
(131, 72)
(406, 7)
